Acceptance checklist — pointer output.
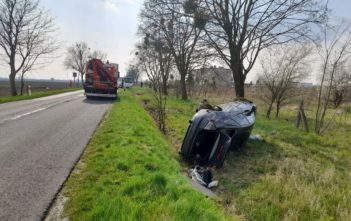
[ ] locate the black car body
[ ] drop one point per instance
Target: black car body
(212, 133)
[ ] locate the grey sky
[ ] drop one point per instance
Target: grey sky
(107, 25)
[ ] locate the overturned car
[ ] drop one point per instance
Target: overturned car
(213, 132)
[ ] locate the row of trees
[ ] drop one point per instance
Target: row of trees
(335, 54)
(181, 36)
(188, 33)
(284, 66)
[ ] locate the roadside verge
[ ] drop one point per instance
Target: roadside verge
(36, 95)
(129, 172)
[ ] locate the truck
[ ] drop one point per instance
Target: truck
(101, 79)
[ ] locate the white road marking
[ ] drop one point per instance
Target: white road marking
(40, 109)
(60, 95)
(28, 113)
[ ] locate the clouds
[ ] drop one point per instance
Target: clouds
(114, 5)
(110, 5)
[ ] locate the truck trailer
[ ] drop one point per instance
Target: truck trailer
(101, 79)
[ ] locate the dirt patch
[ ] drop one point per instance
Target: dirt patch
(79, 167)
(57, 208)
(56, 211)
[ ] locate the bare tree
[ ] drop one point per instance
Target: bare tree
(154, 40)
(25, 35)
(155, 62)
(133, 72)
(98, 55)
(155, 58)
(39, 55)
(182, 25)
(334, 52)
(239, 29)
(78, 55)
(29, 65)
(77, 58)
(283, 68)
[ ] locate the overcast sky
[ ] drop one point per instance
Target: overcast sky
(107, 25)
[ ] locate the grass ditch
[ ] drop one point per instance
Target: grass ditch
(8, 99)
(291, 175)
(130, 173)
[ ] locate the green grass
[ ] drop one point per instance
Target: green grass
(291, 175)
(35, 95)
(129, 172)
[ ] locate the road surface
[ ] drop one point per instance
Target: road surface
(40, 142)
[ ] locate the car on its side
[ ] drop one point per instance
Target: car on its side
(214, 132)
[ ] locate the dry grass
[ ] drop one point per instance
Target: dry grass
(299, 190)
(291, 175)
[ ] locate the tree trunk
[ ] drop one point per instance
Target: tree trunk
(82, 79)
(338, 98)
(277, 110)
(164, 87)
(302, 116)
(239, 88)
(239, 79)
(268, 114)
(183, 86)
(22, 83)
(13, 84)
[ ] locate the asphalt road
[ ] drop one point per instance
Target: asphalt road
(40, 142)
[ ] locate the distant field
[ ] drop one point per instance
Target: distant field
(37, 86)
